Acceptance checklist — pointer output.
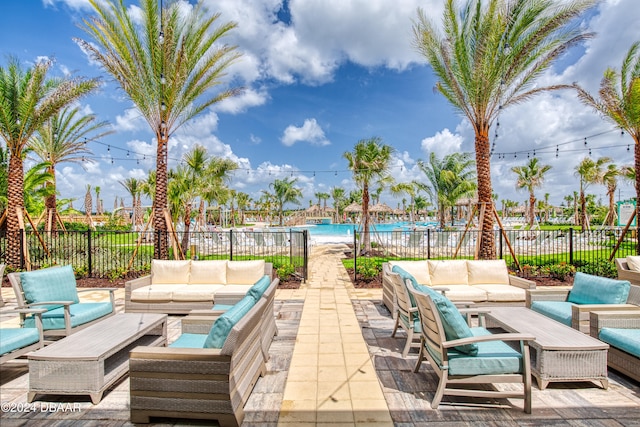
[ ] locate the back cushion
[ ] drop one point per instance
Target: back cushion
(454, 325)
(588, 289)
(49, 284)
(418, 269)
(223, 325)
(488, 272)
(258, 289)
(633, 262)
(244, 272)
(170, 272)
(448, 272)
(208, 272)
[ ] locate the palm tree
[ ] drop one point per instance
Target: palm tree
(610, 180)
(134, 188)
(284, 191)
(369, 162)
(167, 66)
(63, 138)
(488, 57)
(530, 177)
(27, 100)
(337, 194)
(4, 157)
(36, 188)
(451, 179)
(409, 188)
(243, 200)
(619, 103)
(590, 172)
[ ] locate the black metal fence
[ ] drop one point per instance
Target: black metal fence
(114, 254)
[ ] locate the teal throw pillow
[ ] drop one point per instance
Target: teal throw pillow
(49, 284)
(454, 325)
(404, 275)
(223, 324)
(589, 289)
(258, 289)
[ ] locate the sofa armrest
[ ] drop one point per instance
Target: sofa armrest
(580, 313)
(545, 295)
(521, 282)
(193, 324)
(130, 285)
(625, 274)
(492, 337)
(177, 354)
(624, 319)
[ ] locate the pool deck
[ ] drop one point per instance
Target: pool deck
(334, 363)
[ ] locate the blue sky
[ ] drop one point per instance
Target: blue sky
(321, 75)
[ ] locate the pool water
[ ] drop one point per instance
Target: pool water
(345, 231)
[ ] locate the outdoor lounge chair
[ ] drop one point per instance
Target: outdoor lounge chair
(469, 356)
(16, 342)
(54, 289)
(406, 312)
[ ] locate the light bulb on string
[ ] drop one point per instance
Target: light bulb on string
(162, 79)
(585, 141)
(161, 37)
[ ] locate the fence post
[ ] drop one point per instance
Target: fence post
(355, 255)
(500, 249)
(89, 258)
(571, 246)
(231, 244)
(428, 243)
(305, 237)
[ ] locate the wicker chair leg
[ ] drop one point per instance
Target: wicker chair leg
(442, 385)
(407, 346)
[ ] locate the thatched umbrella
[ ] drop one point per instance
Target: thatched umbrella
(353, 207)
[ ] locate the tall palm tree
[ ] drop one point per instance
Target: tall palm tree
(530, 177)
(619, 103)
(167, 66)
(488, 57)
(36, 188)
(134, 188)
(4, 163)
(589, 172)
(28, 98)
(450, 179)
(337, 194)
(610, 180)
(63, 138)
(243, 201)
(409, 188)
(285, 191)
(369, 161)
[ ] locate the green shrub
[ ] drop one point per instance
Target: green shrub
(367, 268)
(600, 267)
(558, 271)
(285, 271)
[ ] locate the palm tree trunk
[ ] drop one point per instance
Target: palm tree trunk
(532, 209)
(612, 207)
(50, 209)
(637, 166)
(187, 225)
(483, 166)
(15, 198)
(583, 210)
(161, 247)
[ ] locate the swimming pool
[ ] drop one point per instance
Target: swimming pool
(343, 233)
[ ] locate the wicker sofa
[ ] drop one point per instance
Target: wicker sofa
(177, 287)
(629, 269)
(481, 282)
(621, 330)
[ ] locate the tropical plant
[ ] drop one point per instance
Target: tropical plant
(4, 157)
(530, 177)
(409, 188)
(285, 191)
(167, 66)
(610, 180)
(369, 163)
(489, 56)
(337, 194)
(28, 98)
(36, 188)
(589, 172)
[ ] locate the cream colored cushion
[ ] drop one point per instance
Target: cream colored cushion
(231, 294)
(502, 293)
(244, 272)
(196, 293)
(169, 271)
(157, 293)
(633, 262)
(448, 272)
(418, 269)
(465, 293)
(208, 272)
(488, 271)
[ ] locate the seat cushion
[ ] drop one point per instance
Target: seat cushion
(189, 341)
(589, 289)
(16, 338)
(207, 272)
(488, 271)
(244, 272)
(170, 271)
(633, 262)
(196, 292)
(49, 284)
(81, 313)
(448, 272)
(465, 293)
(257, 290)
(627, 340)
(223, 324)
(491, 358)
(418, 269)
(231, 294)
(502, 293)
(158, 293)
(557, 310)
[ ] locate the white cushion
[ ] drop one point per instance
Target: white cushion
(208, 272)
(231, 294)
(500, 293)
(448, 272)
(244, 272)
(633, 262)
(465, 293)
(170, 271)
(488, 271)
(418, 269)
(156, 293)
(196, 292)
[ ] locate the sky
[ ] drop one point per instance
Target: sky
(320, 75)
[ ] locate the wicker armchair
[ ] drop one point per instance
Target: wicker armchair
(619, 329)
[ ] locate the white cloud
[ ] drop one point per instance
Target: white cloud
(240, 103)
(310, 132)
(442, 143)
(131, 121)
(73, 4)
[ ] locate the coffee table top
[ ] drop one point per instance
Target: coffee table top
(550, 335)
(100, 339)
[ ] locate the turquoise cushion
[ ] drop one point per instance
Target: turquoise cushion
(15, 338)
(221, 307)
(189, 341)
(80, 314)
(492, 358)
(259, 288)
(49, 284)
(557, 310)
(589, 289)
(223, 324)
(627, 340)
(454, 325)
(406, 275)
(415, 325)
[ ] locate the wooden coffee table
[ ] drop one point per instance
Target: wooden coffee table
(92, 359)
(559, 353)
